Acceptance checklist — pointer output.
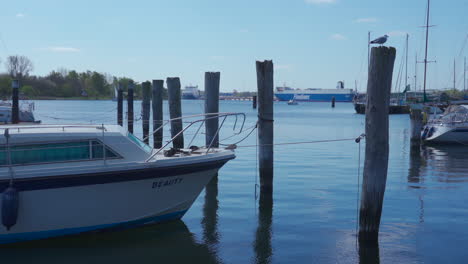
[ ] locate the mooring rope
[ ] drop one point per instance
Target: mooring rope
(256, 162)
(298, 142)
(244, 138)
(358, 140)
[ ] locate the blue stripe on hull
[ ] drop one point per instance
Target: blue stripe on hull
(189, 97)
(20, 237)
(315, 97)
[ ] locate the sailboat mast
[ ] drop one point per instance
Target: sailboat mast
(368, 49)
(416, 72)
(464, 75)
(406, 66)
(454, 85)
(425, 55)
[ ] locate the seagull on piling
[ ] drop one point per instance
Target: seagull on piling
(380, 40)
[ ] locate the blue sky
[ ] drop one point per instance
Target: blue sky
(313, 43)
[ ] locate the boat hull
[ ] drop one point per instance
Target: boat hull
(190, 97)
(393, 109)
(446, 135)
(56, 211)
(326, 97)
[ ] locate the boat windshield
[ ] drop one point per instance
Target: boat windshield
(140, 143)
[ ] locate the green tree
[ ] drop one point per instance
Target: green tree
(5, 86)
(28, 91)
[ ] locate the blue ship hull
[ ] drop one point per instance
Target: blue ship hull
(189, 97)
(314, 97)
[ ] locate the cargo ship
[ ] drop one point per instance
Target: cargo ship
(284, 93)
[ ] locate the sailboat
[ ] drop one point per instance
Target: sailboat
(450, 127)
(115, 94)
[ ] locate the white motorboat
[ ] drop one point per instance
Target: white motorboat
(25, 113)
(67, 179)
(450, 127)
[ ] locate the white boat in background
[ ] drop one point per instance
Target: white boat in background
(25, 112)
(191, 92)
(68, 179)
(451, 127)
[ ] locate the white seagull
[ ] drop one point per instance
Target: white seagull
(380, 40)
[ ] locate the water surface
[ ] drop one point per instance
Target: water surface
(312, 217)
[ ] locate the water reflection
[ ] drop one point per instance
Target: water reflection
(369, 253)
(415, 179)
(414, 171)
(262, 243)
(446, 163)
(162, 243)
(436, 163)
(210, 213)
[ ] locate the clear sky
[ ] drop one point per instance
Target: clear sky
(313, 43)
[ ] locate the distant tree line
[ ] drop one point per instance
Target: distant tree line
(61, 83)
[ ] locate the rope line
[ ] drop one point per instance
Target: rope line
(247, 129)
(300, 142)
(256, 164)
(244, 138)
(358, 189)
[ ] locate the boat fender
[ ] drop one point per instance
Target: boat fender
(10, 203)
(431, 132)
(424, 134)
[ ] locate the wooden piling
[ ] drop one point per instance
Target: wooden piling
(120, 105)
(15, 102)
(158, 86)
(333, 101)
(175, 110)
(130, 88)
(212, 106)
(376, 157)
(145, 106)
(254, 102)
(416, 127)
(369, 253)
(265, 124)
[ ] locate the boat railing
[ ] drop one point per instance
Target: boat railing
(201, 119)
(188, 121)
(62, 127)
(457, 118)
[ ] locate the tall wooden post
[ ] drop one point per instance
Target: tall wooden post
(212, 106)
(376, 157)
(416, 127)
(120, 105)
(15, 102)
(130, 88)
(158, 86)
(175, 110)
(145, 106)
(254, 102)
(369, 253)
(265, 124)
